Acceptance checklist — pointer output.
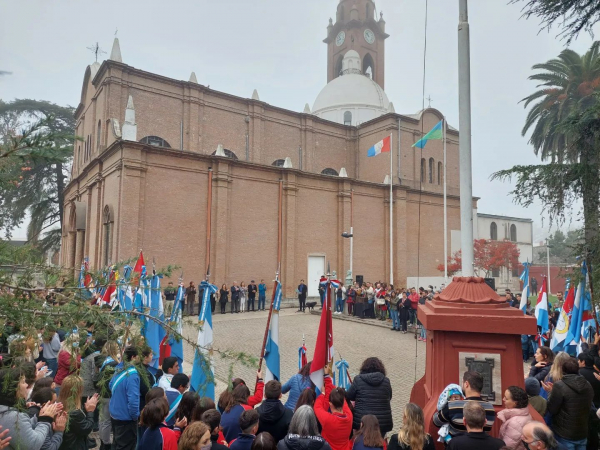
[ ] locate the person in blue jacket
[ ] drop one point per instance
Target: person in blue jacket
(124, 406)
(296, 385)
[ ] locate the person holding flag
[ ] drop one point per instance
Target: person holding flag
(541, 314)
(559, 335)
(203, 378)
(573, 338)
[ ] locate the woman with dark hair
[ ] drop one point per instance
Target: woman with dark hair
(368, 436)
(202, 405)
(542, 363)
(251, 401)
(223, 297)
(25, 432)
(514, 417)
(237, 404)
(371, 392)
(158, 435)
(308, 397)
(186, 406)
(296, 385)
(264, 441)
(412, 435)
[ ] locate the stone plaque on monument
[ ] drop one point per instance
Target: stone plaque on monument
(489, 366)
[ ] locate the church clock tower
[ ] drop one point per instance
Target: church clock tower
(356, 28)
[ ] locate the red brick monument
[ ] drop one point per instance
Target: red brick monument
(469, 327)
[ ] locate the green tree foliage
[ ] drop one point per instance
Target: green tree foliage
(573, 16)
(36, 151)
(564, 121)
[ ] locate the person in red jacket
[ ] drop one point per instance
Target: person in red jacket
(258, 392)
(414, 303)
(336, 424)
(69, 360)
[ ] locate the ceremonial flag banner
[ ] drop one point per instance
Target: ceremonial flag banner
(177, 323)
(272, 358)
(382, 146)
(302, 359)
(202, 380)
(436, 133)
(541, 308)
(525, 294)
(562, 326)
(155, 332)
(588, 324)
(139, 264)
(111, 288)
(343, 377)
(574, 333)
(324, 346)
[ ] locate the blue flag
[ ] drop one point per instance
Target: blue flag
(574, 334)
(203, 378)
(272, 358)
(176, 322)
(154, 330)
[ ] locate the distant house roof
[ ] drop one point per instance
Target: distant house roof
(493, 216)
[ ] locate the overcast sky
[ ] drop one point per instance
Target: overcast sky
(276, 47)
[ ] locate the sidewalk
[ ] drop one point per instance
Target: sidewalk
(373, 322)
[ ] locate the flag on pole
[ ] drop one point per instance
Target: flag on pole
(383, 146)
(110, 290)
(574, 333)
(203, 380)
(525, 295)
(177, 322)
(562, 325)
(155, 332)
(541, 308)
(272, 357)
(324, 345)
(436, 133)
(139, 264)
(302, 358)
(588, 323)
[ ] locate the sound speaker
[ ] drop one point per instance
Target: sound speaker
(359, 279)
(491, 282)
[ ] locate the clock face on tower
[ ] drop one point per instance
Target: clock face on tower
(341, 37)
(369, 36)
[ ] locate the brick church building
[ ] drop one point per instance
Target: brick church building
(156, 152)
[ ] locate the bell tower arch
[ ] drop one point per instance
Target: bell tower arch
(357, 28)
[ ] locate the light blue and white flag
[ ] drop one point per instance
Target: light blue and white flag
(177, 323)
(155, 332)
(525, 279)
(343, 377)
(541, 308)
(574, 334)
(203, 379)
(272, 356)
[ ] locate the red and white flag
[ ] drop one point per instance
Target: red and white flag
(324, 346)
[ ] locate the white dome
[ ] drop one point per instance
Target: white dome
(352, 92)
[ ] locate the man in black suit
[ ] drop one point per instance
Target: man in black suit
(475, 438)
(302, 292)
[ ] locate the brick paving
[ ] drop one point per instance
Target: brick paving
(353, 339)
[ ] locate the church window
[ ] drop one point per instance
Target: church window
(431, 164)
(98, 135)
(494, 231)
(423, 170)
(515, 271)
(108, 224)
(278, 163)
(339, 66)
(368, 12)
(79, 155)
(330, 171)
(228, 154)
(369, 66)
(155, 141)
(348, 118)
(496, 273)
(440, 172)
(513, 233)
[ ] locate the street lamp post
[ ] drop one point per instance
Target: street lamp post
(548, 262)
(351, 237)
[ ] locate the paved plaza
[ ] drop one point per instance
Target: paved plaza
(355, 341)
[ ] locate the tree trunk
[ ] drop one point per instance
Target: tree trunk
(60, 189)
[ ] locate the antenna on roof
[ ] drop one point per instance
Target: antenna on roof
(96, 50)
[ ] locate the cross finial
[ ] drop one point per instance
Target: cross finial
(429, 100)
(96, 50)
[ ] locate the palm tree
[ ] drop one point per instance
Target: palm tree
(559, 122)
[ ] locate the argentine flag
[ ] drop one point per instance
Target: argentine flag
(203, 377)
(176, 322)
(272, 358)
(525, 279)
(154, 330)
(562, 326)
(541, 308)
(574, 334)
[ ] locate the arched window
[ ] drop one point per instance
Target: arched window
(423, 170)
(431, 168)
(98, 135)
(369, 66)
(228, 154)
(278, 163)
(348, 118)
(440, 172)
(338, 67)
(494, 231)
(513, 233)
(107, 224)
(155, 141)
(330, 171)
(79, 155)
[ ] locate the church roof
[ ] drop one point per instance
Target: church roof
(352, 89)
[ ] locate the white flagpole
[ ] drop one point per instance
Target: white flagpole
(391, 208)
(445, 212)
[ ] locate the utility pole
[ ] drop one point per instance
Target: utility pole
(548, 261)
(464, 107)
